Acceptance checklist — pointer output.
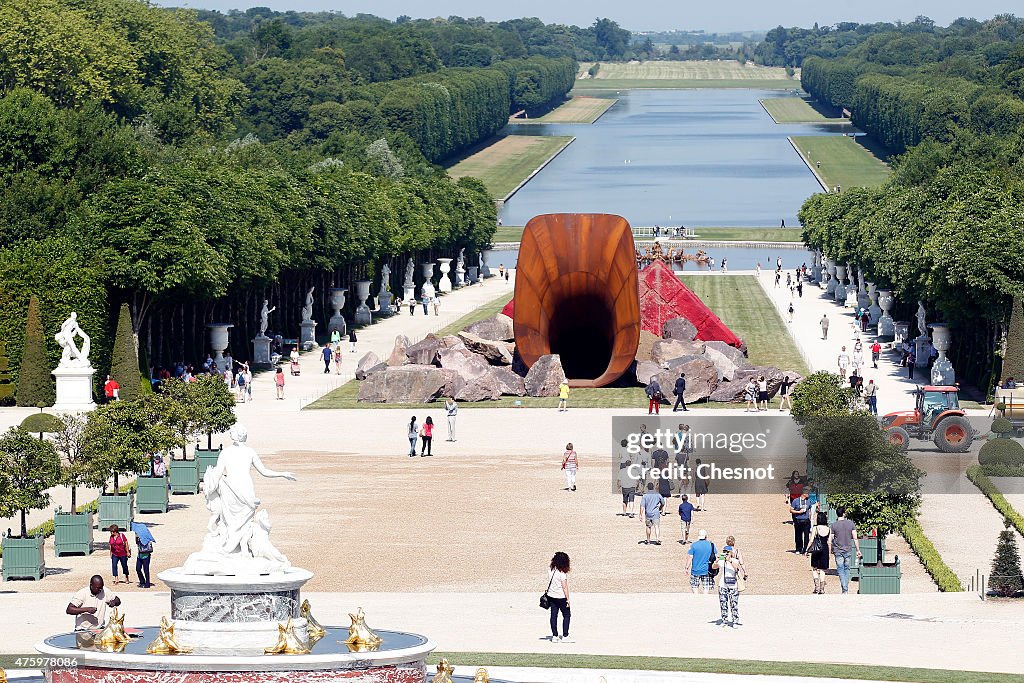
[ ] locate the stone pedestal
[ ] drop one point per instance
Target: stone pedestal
(830, 282)
(444, 285)
(485, 270)
(307, 334)
(471, 273)
(427, 288)
(337, 321)
(816, 268)
(74, 390)
(874, 311)
(362, 315)
(219, 341)
(261, 351)
(839, 291)
(901, 331)
(886, 325)
(863, 300)
(384, 302)
(942, 369)
(922, 351)
(851, 297)
(460, 274)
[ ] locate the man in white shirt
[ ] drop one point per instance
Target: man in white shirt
(452, 410)
(89, 606)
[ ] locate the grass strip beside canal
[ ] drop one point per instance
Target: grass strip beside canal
(845, 161)
(580, 109)
(508, 163)
(800, 110)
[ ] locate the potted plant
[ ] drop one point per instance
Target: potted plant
(28, 467)
(72, 530)
(121, 435)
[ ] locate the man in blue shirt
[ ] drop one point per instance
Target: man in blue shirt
(685, 517)
(800, 508)
(700, 553)
(652, 504)
(327, 353)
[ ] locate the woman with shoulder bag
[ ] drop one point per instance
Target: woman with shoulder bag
(144, 539)
(818, 552)
(729, 584)
(556, 596)
(120, 551)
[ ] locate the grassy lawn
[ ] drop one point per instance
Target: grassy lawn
(742, 305)
(580, 109)
(508, 233)
(509, 161)
(844, 160)
(800, 110)
(721, 666)
(605, 84)
(723, 70)
(750, 234)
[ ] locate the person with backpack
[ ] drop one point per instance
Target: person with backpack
(701, 556)
(654, 396)
(240, 385)
(120, 551)
(144, 540)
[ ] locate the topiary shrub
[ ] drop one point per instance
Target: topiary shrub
(1002, 452)
(41, 423)
(1013, 358)
(124, 362)
(1002, 427)
(35, 383)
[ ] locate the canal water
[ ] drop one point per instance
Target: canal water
(739, 258)
(675, 157)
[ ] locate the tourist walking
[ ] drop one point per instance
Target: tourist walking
(778, 278)
(248, 380)
(700, 487)
(627, 483)
(563, 396)
(337, 359)
(426, 304)
(111, 390)
(652, 505)
(698, 561)
(876, 351)
(789, 312)
(508, 271)
(843, 362)
(762, 393)
(784, 393)
(654, 396)
(120, 551)
(800, 509)
(352, 339)
(871, 396)
(335, 338)
(750, 395)
(911, 361)
(730, 544)
(685, 518)
(436, 301)
(557, 594)
(570, 463)
(412, 305)
(680, 392)
(240, 385)
(824, 326)
(89, 605)
(414, 435)
(844, 543)
(684, 448)
(144, 541)
(729, 585)
(327, 354)
(427, 437)
(279, 383)
(818, 552)
(451, 409)
(800, 288)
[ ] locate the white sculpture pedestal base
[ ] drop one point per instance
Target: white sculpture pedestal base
(261, 351)
(384, 303)
(74, 390)
(337, 322)
(922, 351)
(409, 293)
(307, 335)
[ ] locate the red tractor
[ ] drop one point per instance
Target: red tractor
(936, 417)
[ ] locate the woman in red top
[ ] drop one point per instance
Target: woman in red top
(120, 551)
(795, 485)
(279, 384)
(427, 435)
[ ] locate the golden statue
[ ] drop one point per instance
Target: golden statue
(656, 252)
(481, 676)
(113, 635)
(313, 627)
(288, 642)
(167, 643)
(3, 676)
(361, 637)
(444, 672)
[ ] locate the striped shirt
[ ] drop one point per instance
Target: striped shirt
(569, 461)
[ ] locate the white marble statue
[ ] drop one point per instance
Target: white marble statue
(73, 356)
(307, 309)
(410, 268)
(460, 262)
(385, 278)
(264, 315)
(922, 327)
(238, 534)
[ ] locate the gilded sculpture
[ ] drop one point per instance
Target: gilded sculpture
(166, 643)
(288, 641)
(444, 672)
(481, 676)
(313, 627)
(113, 635)
(361, 637)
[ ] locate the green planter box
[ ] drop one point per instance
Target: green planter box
(206, 460)
(869, 548)
(72, 533)
(23, 558)
(151, 494)
(882, 579)
(184, 476)
(116, 509)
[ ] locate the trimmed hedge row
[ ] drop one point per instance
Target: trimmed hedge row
(944, 577)
(978, 478)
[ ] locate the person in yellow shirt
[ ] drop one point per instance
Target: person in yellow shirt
(563, 396)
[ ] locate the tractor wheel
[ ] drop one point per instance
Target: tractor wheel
(899, 437)
(954, 434)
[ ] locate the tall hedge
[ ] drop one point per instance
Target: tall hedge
(124, 364)
(1013, 359)
(35, 384)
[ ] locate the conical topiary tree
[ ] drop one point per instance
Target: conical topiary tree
(1006, 578)
(1013, 360)
(124, 362)
(35, 384)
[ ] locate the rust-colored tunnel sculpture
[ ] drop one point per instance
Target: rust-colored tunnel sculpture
(577, 295)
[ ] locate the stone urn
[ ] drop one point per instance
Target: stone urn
(830, 272)
(219, 341)
(886, 325)
(942, 370)
(460, 273)
(362, 315)
(427, 288)
(444, 285)
(839, 291)
(337, 321)
(874, 312)
(471, 274)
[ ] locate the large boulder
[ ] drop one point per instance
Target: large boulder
(495, 352)
(468, 365)
(701, 379)
(496, 328)
(727, 359)
(398, 356)
(682, 360)
(486, 388)
(424, 352)
(643, 349)
(368, 363)
(545, 376)
(645, 370)
(510, 383)
(733, 391)
(405, 384)
(679, 328)
(665, 350)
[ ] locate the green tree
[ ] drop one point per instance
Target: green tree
(1006, 578)
(204, 406)
(1013, 356)
(124, 364)
(120, 437)
(35, 383)
(79, 467)
(28, 467)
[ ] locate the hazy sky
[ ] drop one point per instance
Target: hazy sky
(638, 16)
